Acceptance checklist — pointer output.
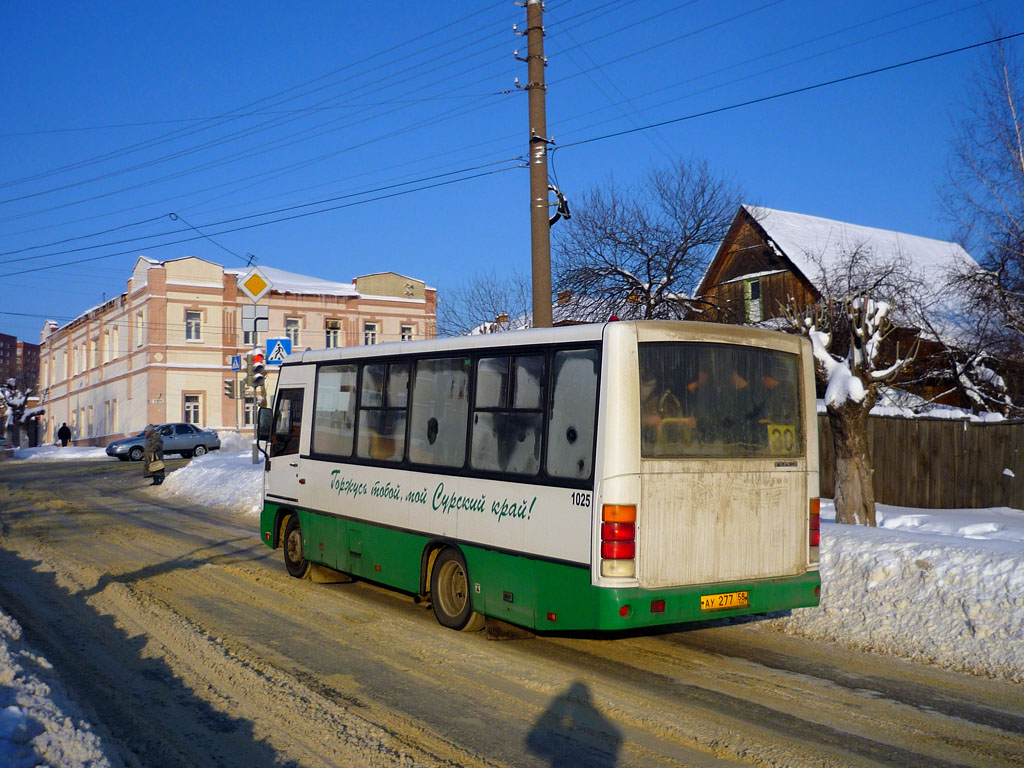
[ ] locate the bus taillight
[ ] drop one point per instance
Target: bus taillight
(815, 523)
(618, 540)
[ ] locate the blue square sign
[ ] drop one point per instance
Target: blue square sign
(278, 350)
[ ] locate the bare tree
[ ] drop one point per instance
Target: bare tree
(485, 303)
(853, 379)
(984, 196)
(13, 410)
(864, 332)
(639, 252)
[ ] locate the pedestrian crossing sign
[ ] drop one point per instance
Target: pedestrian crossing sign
(278, 350)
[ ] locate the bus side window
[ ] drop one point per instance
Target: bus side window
(440, 412)
(287, 431)
(383, 400)
(509, 416)
(334, 420)
(573, 412)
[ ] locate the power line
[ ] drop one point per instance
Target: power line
(791, 92)
(263, 213)
(751, 74)
(418, 72)
(274, 221)
(231, 114)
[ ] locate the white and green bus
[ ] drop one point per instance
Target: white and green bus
(607, 476)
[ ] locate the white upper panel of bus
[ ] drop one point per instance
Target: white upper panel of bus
(644, 330)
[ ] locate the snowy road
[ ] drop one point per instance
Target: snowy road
(185, 643)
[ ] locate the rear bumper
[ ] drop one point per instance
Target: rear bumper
(633, 607)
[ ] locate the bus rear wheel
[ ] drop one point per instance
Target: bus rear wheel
(449, 592)
(294, 561)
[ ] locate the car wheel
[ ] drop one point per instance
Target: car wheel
(294, 561)
(135, 454)
(449, 592)
(199, 450)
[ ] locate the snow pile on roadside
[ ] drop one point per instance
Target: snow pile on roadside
(38, 724)
(234, 442)
(58, 453)
(952, 597)
(220, 479)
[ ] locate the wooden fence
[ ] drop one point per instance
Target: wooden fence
(938, 464)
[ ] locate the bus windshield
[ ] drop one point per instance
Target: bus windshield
(718, 400)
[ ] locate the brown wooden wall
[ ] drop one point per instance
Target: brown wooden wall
(938, 464)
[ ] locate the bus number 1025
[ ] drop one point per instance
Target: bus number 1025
(580, 499)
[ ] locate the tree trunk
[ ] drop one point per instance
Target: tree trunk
(854, 492)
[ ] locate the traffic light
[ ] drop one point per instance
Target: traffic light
(259, 370)
(229, 388)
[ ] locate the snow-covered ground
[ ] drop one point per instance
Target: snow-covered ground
(39, 725)
(938, 586)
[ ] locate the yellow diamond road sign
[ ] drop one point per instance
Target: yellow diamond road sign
(254, 285)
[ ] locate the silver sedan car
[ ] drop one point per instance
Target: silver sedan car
(186, 439)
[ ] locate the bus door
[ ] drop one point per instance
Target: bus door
(283, 480)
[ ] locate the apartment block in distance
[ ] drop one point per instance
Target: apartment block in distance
(19, 360)
(162, 350)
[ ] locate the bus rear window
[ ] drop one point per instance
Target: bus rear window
(699, 399)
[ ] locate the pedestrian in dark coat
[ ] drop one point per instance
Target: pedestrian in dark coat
(154, 452)
(64, 433)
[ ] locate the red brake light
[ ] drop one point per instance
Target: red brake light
(618, 531)
(815, 523)
(618, 550)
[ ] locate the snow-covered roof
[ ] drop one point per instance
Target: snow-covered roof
(803, 239)
(291, 282)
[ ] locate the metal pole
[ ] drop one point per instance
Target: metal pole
(540, 229)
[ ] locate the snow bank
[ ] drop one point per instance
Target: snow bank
(944, 587)
(234, 442)
(220, 479)
(38, 724)
(57, 453)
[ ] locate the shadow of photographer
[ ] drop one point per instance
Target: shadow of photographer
(572, 733)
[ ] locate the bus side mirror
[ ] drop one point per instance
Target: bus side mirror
(264, 419)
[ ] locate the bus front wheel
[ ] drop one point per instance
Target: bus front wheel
(449, 592)
(294, 560)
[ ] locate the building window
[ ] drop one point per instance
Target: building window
(115, 348)
(369, 333)
(113, 417)
(291, 330)
(752, 298)
(332, 333)
(193, 326)
(89, 422)
(406, 333)
(247, 338)
(140, 329)
(191, 409)
(249, 415)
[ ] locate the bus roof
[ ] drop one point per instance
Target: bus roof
(568, 334)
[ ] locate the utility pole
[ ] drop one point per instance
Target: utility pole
(540, 227)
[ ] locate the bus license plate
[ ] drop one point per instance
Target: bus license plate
(724, 601)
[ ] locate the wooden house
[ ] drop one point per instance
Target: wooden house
(770, 258)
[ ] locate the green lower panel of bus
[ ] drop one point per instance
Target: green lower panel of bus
(533, 593)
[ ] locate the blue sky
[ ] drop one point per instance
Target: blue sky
(116, 114)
